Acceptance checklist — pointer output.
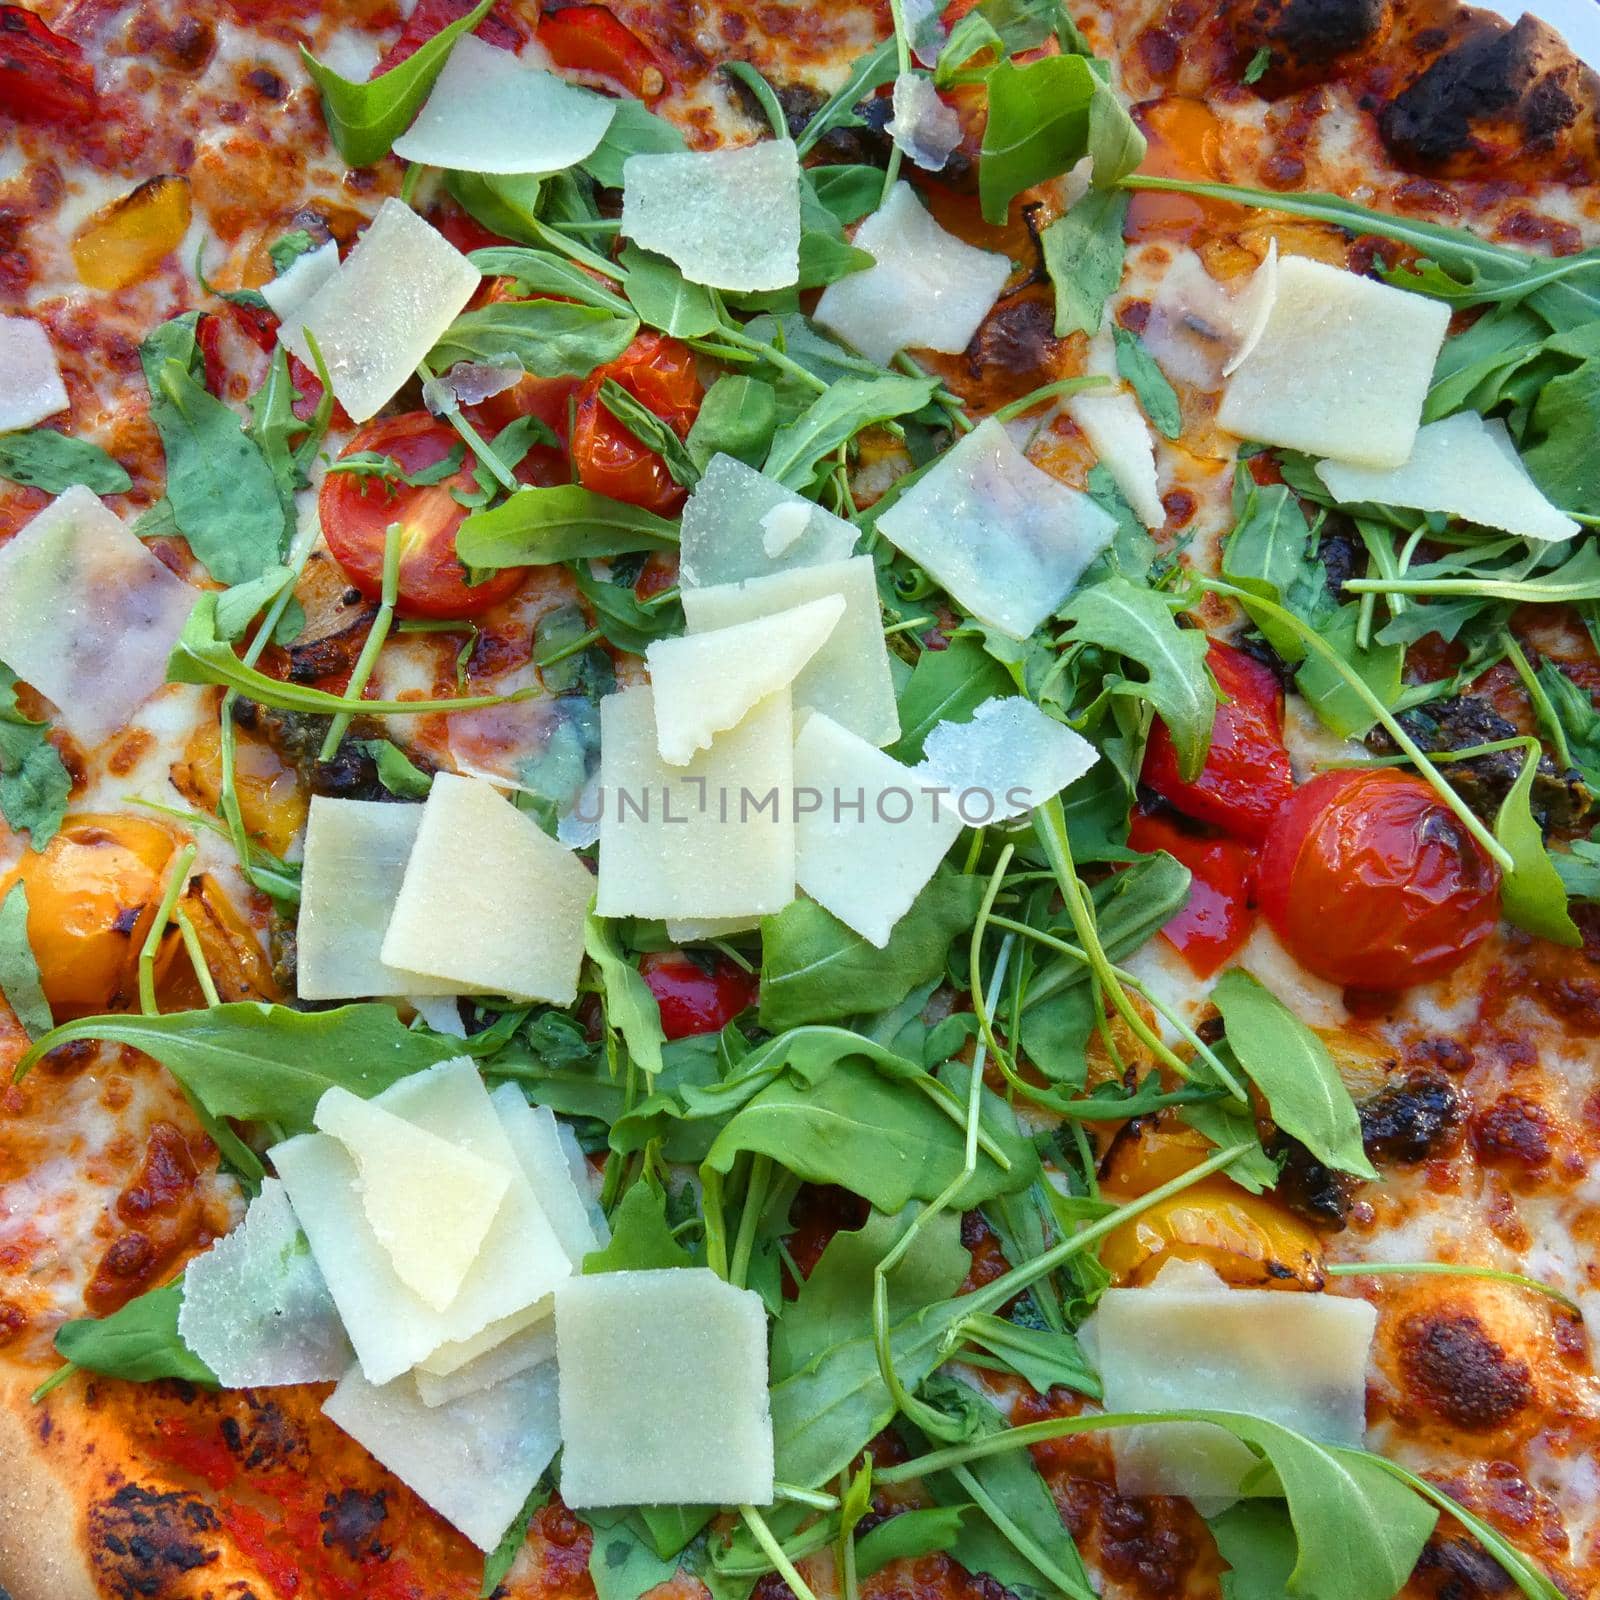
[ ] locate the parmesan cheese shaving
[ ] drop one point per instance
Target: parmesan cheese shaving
(726, 218)
(663, 1384)
(1007, 540)
(1341, 367)
(384, 310)
(30, 379)
(488, 112)
(1116, 429)
(923, 126)
(526, 1348)
(1253, 307)
(1461, 466)
(307, 273)
(927, 289)
(536, 1138)
(88, 615)
(1010, 758)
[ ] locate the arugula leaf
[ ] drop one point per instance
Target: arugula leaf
(365, 119)
(34, 785)
(1379, 666)
(1138, 624)
(627, 621)
(397, 772)
(564, 523)
(814, 969)
(737, 418)
(139, 1342)
(665, 299)
(369, 464)
(629, 1006)
(273, 424)
(945, 686)
(1156, 394)
(1044, 1357)
(867, 73)
(546, 273)
(19, 971)
(1272, 552)
(1083, 254)
(266, 1063)
(1533, 894)
(288, 248)
(1291, 1067)
(634, 131)
(641, 1236)
(639, 420)
(623, 1563)
(849, 192)
(1559, 443)
(551, 338)
(505, 203)
(836, 417)
(224, 496)
(1256, 1539)
(44, 459)
(908, 1534)
(1256, 68)
(1579, 867)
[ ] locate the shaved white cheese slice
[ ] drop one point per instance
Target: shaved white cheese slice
(475, 1461)
(307, 273)
(429, 1204)
(384, 310)
(391, 1327)
(848, 677)
(523, 1349)
(535, 1135)
(726, 218)
(1464, 467)
(440, 1012)
(255, 1308)
(698, 930)
(1007, 540)
(1008, 759)
(1119, 435)
(88, 616)
(488, 112)
(927, 290)
(452, 1357)
(714, 838)
(1253, 307)
(923, 126)
(663, 1390)
(738, 523)
(868, 835)
(589, 1183)
(468, 383)
(355, 857)
(1341, 368)
(706, 682)
(1188, 1340)
(30, 378)
(516, 930)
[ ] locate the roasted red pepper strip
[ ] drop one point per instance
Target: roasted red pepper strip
(44, 78)
(434, 16)
(590, 39)
(1218, 917)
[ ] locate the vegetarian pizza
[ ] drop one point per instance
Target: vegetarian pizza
(799, 801)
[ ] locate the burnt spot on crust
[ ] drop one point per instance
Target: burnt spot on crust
(141, 1541)
(1310, 1189)
(1513, 1132)
(1015, 348)
(1459, 1569)
(264, 1438)
(1455, 1369)
(1308, 39)
(1409, 1122)
(1496, 91)
(351, 1521)
(1143, 1543)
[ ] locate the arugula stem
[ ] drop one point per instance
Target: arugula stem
(53, 1382)
(371, 645)
(818, 1499)
(983, 1005)
(1538, 699)
(757, 1524)
(755, 1199)
(1450, 1269)
(176, 880)
(197, 956)
(902, 51)
(475, 442)
(1022, 1542)
(1048, 391)
(322, 417)
(1317, 645)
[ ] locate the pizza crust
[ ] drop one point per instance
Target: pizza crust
(43, 1552)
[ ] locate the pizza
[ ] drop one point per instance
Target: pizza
(798, 800)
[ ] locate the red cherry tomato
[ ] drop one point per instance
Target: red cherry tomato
(659, 372)
(692, 999)
(590, 39)
(1370, 881)
(357, 511)
(44, 78)
(433, 16)
(1218, 917)
(1246, 775)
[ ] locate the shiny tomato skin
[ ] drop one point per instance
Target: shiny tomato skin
(1370, 881)
(1246, 775)
(1219, 916)
(591, 39)
(660, 373)
(693, 1000)
(44, 79)
(357, 511)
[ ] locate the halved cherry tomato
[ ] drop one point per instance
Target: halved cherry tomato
(1217, 918)
(357, 511)
(433, 16)
(590, 39)
(1370, 881)
(44, 78)
(659, 372)
(1246, 775)
(694, 997)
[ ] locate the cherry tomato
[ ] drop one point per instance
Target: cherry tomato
(1370, 881)
(44, 78)
(590, 39)
(433, 16)
(357, 511)
(1218, 917)
(659, 372)
(693, 999)
(1246, 775)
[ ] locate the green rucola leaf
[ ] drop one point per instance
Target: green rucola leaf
(1083, 253)
(1532, 894)
(19, 971)
(140, 1342)
(564, 523)
(551, 338)
(44, 459)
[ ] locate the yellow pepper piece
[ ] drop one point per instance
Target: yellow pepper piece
(271, 800)
(128, 239)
